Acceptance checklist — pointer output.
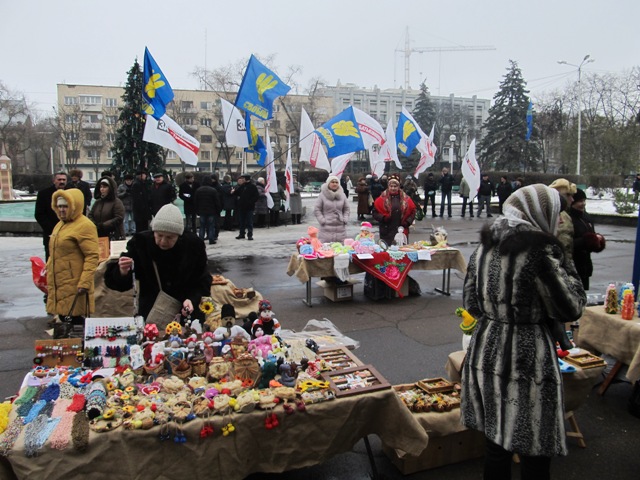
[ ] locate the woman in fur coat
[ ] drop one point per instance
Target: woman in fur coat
(332, 211)
(519, 287)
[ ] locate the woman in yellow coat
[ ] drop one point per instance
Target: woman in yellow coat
(73, 257)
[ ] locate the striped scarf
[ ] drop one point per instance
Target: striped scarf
(537, 206)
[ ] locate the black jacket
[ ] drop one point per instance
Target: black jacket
(46, 217)
(84, 188)
(182, 269)
(161, 195)
(430, 186)
(486, 188)
(446, 183)
(186, 193)
(247, 195)
(207, 201)
(141, 200)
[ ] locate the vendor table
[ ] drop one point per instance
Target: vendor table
(301, 440)
(608, 333)
(576, 386)
(445, 259)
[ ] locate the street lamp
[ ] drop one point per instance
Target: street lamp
(452, 139)
(585, 60)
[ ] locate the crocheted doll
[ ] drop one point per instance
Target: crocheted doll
(229, 330)
(365, 232)
(400, 239)
(260, 347)
(266, 320)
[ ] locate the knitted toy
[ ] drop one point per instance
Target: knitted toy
(260, 347)
(266, 320)
(400, 239)
(365, 232)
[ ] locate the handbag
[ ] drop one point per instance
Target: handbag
(66, 328)
(165, 307)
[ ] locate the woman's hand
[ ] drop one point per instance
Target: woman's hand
(125, 264)
(187, 308)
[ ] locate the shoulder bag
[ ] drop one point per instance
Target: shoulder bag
(165, 308)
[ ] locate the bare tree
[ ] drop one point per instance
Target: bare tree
(15, 124)
(68, 127)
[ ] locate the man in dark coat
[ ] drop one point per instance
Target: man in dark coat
(45, 215)
(430, 188)
(485, 192)
(162, 193)
(187, 190)
(247, 195)
(207, 206)
(180, 257)
(141, 201)
(228, 202)
(75, 181)
(446, 187)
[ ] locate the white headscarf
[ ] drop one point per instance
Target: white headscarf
(535, 205)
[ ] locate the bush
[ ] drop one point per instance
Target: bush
(623, 202)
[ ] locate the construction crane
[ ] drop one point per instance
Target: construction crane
(408, 51)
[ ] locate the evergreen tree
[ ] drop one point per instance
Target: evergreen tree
(504, 146)
(424, 112)
(130, 152)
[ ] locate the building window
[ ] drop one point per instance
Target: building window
(187, 121)
(73, 154)
(70, 100)
(205, 122)
(373, 103)
(111, 102)
(92, 118)
(206, 106)
(276, 108)
(93, 154)
(111, 137)
(90, 100)
(206, 138)
(239, 154)
(71, 119)
(110, 154)
(71, 136)
(171, 155)
(186, 104)
(205, 154)
(112, 119)
(94, 137)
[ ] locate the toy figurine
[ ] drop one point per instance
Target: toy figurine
(261, 346)
(365, 232)
(400, 239)
(287, 377)
(266, 320)
(229, 331)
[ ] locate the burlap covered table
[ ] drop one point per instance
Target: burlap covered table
(608, 333)
(301, 440)
(441, 259)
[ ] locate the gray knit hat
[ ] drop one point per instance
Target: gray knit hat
(168, 220)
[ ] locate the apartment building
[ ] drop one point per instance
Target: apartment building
(89, 116)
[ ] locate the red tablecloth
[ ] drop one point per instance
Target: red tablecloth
(392, 272)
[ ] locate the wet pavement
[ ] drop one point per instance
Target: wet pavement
(405, 339)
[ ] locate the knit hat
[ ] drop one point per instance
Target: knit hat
(366, 226)
(168, 220)
(535, 205)
(158, 174)
(227, 311)
(330, 178)
(579, 195)
(564, 186)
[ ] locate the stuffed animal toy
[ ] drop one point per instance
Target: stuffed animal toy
(314, 241)
(266, 320)
(365, 232)
(439, 237)
(260, 347)
(269, 370)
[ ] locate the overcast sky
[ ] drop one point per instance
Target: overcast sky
(45, 42)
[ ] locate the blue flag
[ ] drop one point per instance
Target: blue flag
(256, 145)
(156, 91)
(341, 134)
(529, 121)
(259, 89)
(407, 133)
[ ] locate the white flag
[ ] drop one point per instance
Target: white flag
(339, 163)
(235, 130)
(371, 130)
(471, 170)
(389, 150)
(288, 176)
(427, 152)
(310, 145)
(377, 169)
(270, 165)
(168, 134)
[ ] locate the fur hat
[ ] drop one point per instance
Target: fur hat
(330, 178)
(227, 311)
(169, 220)
(579, 195)
(564, 186)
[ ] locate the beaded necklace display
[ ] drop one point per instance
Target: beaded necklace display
(62, 434)
(37, 432)
(10, 436)
(34, 411)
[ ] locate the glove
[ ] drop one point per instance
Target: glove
(602, 243)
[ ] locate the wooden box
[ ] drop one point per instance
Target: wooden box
(585, 360)
(337, 293)
(436, 385)
(356, 380)
(440, 451)
(339, 358)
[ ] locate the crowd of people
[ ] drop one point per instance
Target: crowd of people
(534, 258)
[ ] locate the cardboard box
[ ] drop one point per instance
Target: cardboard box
(440, 451)
(337, 293)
